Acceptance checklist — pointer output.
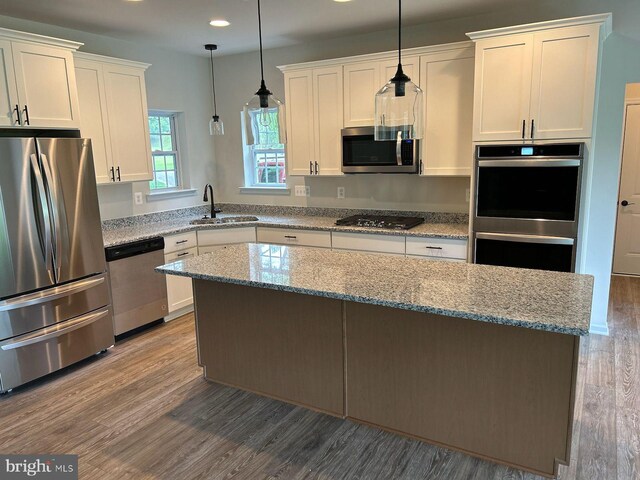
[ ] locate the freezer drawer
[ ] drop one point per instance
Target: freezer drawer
(33, 311)
(33, 355)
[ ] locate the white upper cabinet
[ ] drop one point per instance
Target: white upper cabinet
(537, 81)
(361, 83)
(113, 113)
(447, 81)
(314, 120)
(565, 63)
(502, 87)
(410, 66)
(37, 81)
(9, 108)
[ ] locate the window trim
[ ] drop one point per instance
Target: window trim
(175, 141)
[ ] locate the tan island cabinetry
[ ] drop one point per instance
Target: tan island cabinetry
(37, 81)
(538, 81)
(114, 114)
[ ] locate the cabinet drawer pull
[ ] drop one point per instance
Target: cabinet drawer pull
(181, 241)
(290, 236)
(17, 112)
(182, 254)
(434, 248)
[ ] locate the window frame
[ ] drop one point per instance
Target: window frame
(250, 153)
(173, 126)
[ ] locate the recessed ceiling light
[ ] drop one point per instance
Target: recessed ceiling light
(219, 23)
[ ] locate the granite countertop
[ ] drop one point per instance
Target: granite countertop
(142, 231)
(542, 300)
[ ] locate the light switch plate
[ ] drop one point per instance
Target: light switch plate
(340, 192)
(300, 191)
(137, 198)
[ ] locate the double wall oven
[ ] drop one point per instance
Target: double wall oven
(526, 205)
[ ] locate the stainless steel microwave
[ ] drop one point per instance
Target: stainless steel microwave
(362, 154)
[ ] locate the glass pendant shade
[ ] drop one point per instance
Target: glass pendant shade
(216, 127)
(398, 111)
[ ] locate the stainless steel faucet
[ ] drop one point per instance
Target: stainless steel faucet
(205, 198)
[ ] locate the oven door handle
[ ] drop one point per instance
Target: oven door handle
(530, 163)
(512, 237)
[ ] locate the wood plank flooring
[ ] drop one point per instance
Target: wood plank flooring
(143, 411)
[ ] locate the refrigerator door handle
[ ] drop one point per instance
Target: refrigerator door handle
(44, 207)
(49, 295)
(57, 228)
(54, 331)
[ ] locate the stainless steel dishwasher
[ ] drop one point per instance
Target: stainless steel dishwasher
(139, 294)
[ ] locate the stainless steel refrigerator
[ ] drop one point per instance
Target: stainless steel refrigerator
(54, 295)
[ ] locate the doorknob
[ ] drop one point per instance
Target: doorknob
(624, 203)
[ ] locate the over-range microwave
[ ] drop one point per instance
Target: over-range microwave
(362, 154)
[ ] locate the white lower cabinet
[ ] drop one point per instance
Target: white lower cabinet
(210, 240)
(368, 242)
(179, 291)
(290, 236)
(437, 248)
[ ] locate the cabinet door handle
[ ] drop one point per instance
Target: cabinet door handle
(17, 112)
(310, 168)
(113, 174)
(523, 127)
(533, 122)
(434, 248)
(118, 170)
(26, 115)
(421, 167)
(316, 168)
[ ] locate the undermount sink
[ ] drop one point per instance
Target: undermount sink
(215, 221)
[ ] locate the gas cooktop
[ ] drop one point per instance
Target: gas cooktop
(381, 221)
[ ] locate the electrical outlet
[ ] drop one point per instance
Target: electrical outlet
(137, 198)
(467, 195)
(307, 191)
(340, 192)
(300, 191)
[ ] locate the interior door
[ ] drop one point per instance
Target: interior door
(8, 92)
(70, 180)
(563, 88)
(46, 83)
(25, 227)
(626, 257)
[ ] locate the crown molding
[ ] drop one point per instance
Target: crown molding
(603, 18)
(15, 35)
(104, 59)
(372, 57)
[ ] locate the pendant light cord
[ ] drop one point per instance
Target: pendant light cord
(213, 86)
(399, 31)
(260, 35)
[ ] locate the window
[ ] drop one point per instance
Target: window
(265, 162)
(164, 151)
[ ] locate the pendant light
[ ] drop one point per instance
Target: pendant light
(216, 127)
(263, 111)
(398, 105)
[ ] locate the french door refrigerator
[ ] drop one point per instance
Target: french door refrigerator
(54, 295)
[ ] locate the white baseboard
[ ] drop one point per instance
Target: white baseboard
(179, 313)
(599, 329)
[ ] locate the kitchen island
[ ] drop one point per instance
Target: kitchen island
(471, 357)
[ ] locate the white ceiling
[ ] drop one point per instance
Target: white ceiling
(183, 25)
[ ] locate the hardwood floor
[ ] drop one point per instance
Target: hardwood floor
(143, 411)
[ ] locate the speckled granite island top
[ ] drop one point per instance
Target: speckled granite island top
(549, 301)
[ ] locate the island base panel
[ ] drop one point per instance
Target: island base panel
(499, 392)
(280, 344)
